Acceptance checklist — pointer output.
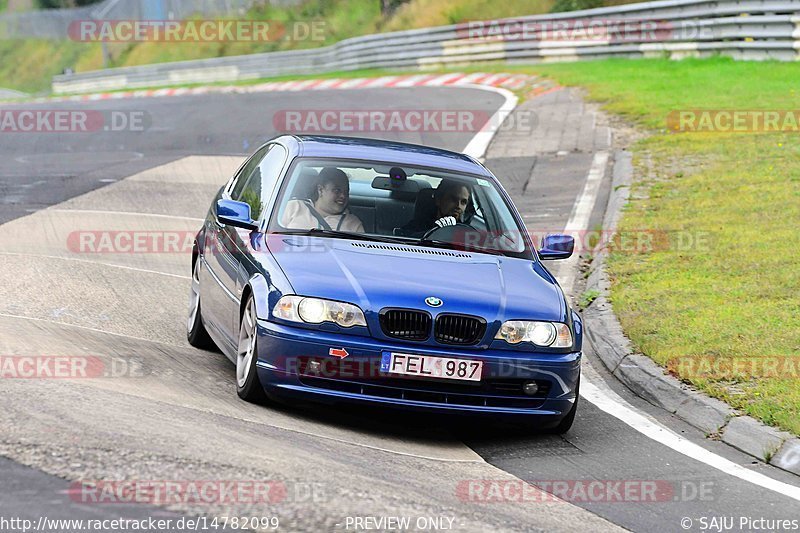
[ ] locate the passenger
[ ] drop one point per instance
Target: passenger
(451, 199)
(329, 207)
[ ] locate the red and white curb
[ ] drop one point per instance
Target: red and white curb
(506, 81)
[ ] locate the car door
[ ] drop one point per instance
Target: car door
(218, 279)
(258, 192)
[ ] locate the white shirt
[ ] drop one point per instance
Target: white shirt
(299, 214)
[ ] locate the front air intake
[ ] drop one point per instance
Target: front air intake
(406, 324)
(463, 330)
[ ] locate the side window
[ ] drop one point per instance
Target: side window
(477, 219)
(262, 179)
(244, 173)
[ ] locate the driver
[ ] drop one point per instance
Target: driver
(329, 208)
(451, 199)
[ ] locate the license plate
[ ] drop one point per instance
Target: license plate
(429, 366)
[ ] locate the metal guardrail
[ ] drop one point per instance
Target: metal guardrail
(743, 29)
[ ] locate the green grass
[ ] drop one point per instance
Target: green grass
(29, 65)
(587, 298)
(737, 295)
(646, 90)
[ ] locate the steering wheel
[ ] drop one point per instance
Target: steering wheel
(447, 232)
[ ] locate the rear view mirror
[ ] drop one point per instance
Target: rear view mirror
(394, 183)
(557, 247)
(236, 214)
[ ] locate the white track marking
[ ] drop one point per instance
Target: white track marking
(380, 82)
(303, 85)
(443, 79)
(491, 79)
(123, 267)
(579, 218)
(617, 407)
(469, 78)
(480, 142)
(325, 84)
(608, 401)
(347, 84)
(412, 81)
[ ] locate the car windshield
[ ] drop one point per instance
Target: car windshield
(397, 203)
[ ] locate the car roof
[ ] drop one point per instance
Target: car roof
(331, 146)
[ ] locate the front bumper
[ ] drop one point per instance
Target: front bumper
(284, 353)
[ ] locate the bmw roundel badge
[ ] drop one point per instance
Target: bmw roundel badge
(433, 301)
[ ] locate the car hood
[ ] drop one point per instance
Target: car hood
(377, 275)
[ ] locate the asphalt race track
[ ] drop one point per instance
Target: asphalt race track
(170, 412)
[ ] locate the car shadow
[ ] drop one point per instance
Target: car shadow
(421, 427)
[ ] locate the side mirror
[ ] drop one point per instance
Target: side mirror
(557, 247)
(236, 214)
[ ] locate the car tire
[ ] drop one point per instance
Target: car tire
(248, 386)
(196, 332)
(567, 421)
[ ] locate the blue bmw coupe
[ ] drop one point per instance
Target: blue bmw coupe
(340, 270)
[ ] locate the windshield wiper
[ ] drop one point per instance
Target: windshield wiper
(318, 232)
(433, 243)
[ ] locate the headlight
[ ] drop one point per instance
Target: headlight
(312, 310)
(317, 310)
(545, 334)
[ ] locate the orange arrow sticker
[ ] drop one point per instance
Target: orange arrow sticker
(341, 353)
